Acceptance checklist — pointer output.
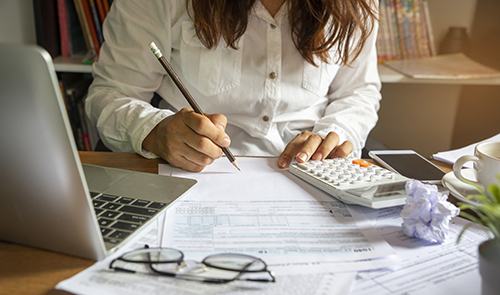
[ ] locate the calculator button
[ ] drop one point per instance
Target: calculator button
(303, 166)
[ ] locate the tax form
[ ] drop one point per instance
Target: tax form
(426, 268)
(99, 279)
(268, 212)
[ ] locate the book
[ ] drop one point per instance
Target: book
(74, 88)
(106, 6)
(430, 32)
(62, 13)
(46, 26)
(404, 31)
(97, 21)
(77, 43)
(100, 9)
(90, 21)
(84, 25)
(449, 66)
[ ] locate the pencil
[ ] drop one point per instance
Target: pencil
(186, 94)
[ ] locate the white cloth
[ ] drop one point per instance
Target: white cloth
(264, 113)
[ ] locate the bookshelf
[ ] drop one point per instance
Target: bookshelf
(72, 64)
(416, 113)
(387, 75)
(433, 115)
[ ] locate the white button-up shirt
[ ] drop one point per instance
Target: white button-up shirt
(267, 91)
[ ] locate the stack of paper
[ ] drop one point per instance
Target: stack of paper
(452, 156)
(450, 66)
(312, 242)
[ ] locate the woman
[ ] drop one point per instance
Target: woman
(292, 78)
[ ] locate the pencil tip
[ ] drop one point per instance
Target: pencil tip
(236, 165)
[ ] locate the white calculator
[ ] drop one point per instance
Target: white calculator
(354, 181)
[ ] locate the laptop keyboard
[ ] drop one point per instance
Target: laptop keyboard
(119, 217)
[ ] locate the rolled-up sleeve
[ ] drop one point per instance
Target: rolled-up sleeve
(127, 74)
(354, 99)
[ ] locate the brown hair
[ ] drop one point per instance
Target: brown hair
(309, 19)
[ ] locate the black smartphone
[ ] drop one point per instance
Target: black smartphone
(410, 164)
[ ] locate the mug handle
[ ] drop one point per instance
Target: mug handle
(457, 168)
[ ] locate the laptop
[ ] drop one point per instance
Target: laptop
(48, 198)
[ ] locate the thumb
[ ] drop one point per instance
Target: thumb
(219, 120)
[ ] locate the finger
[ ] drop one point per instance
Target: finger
(187, 158)
(291, 150)
(326, 147)
(342, 151)
(175, 141)
(203, 126)
(219, 120)
(309, 147)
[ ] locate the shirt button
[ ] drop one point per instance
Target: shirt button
(273, 75)
(265, 118)
(273, 26)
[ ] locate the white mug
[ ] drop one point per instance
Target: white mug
(486, 164)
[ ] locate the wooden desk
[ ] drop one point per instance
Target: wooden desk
(26, 270)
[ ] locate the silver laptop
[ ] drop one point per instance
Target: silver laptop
(48, 199)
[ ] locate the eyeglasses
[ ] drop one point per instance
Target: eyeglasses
(218, 268)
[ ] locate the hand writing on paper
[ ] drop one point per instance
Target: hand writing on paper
(308, 145)
(189, 140)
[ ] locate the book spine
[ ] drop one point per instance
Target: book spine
(62, 13)
(97, 21)
(83, 124)
(430, 32)
(85, 26)
(389, 30)
(407, 29)
(413, 29)
(401, 31)
(90, 21)
(422, 29)
(380, 39)
(77, 42)
(106, 7)
(71, 108)
(47, 27)
(100, 9)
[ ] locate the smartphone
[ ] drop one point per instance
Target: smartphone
(410, 164)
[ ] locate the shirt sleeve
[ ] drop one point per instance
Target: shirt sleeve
(354, 99)
(127, 74)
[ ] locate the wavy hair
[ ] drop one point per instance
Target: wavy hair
(317, 25)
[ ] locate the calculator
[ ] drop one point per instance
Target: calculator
(354, 181)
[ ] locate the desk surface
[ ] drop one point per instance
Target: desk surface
(26, 270)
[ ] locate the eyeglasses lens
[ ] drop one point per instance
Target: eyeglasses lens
(235, 262)
(153, 255)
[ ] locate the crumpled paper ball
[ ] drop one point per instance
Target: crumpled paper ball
(427, 212)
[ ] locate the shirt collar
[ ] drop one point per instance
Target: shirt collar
(261, 12)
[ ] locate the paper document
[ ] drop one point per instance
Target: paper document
(452, 156)
(268, 212)
(449, 66)
(278, 232)
(99, 279)
(426, 268)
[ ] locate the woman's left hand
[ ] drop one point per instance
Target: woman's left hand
(308, 145)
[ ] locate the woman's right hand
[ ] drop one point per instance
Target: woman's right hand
(189, 140)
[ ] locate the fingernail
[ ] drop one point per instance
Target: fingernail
(318, 157)
(220, 126)
(282, 163)
(302, 157)
(225, 142)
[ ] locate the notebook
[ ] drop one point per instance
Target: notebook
(48, 198)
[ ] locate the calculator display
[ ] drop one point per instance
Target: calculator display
(384, 190)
